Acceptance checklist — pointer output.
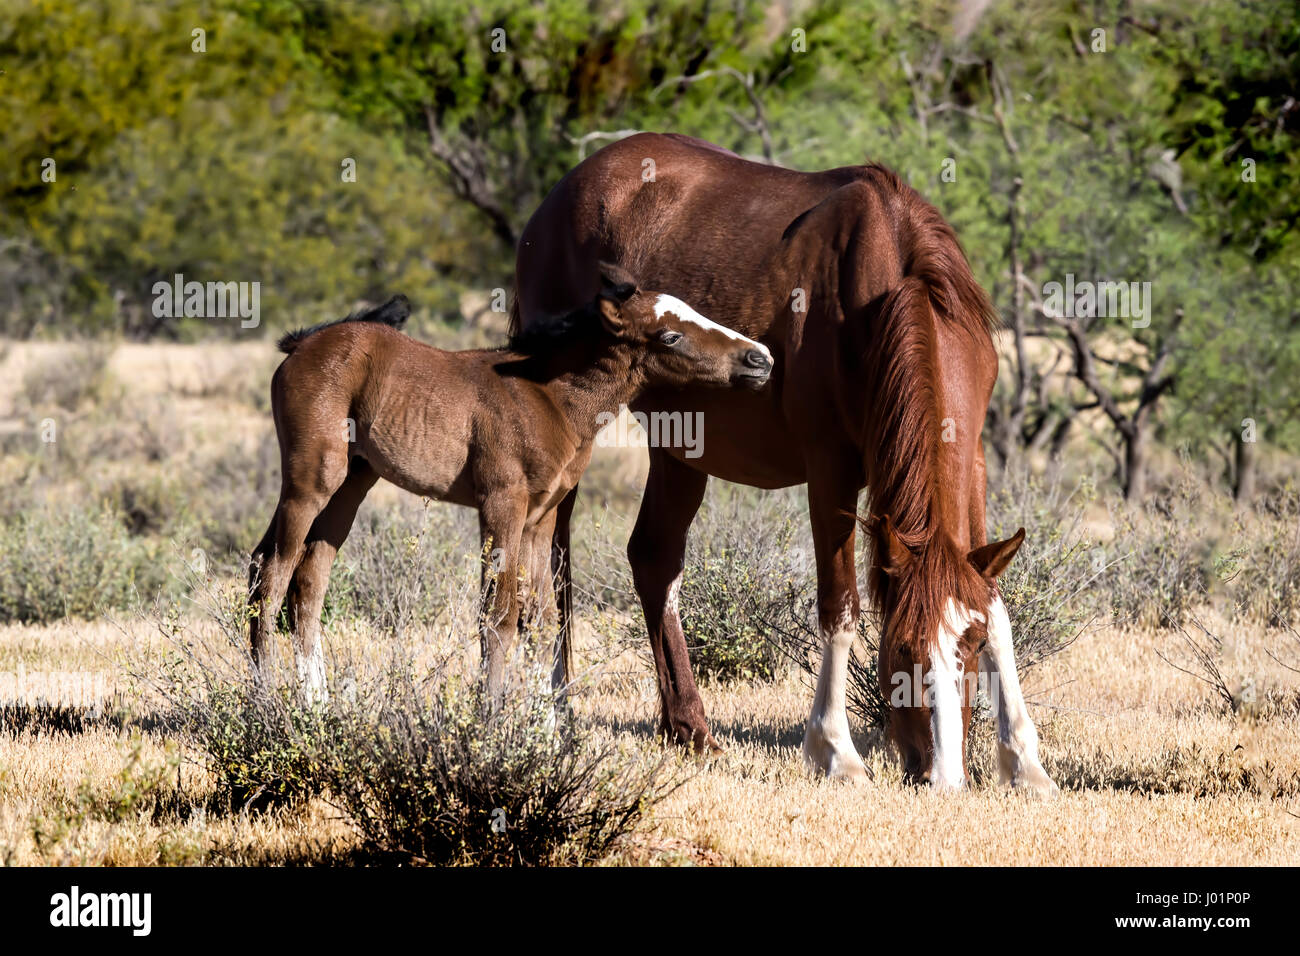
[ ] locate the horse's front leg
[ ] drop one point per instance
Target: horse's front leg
(501, 522)
(832, 508)
(1018, 763)
(657, 553)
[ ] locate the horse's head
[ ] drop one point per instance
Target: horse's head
(674, 344)
(940, 606)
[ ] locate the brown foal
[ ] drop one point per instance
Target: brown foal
(507, 432)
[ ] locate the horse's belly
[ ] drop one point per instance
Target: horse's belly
(732, 434)
(424, 461)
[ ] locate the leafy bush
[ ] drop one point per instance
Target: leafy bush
(446, 777)
(1266, 574)
(1163, 557)
(72, 563)
(1050, 587)
(748, 552)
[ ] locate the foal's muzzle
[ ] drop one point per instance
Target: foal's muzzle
(756, 368)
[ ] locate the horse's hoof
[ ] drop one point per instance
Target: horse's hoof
(852, 771)
(1034, 780)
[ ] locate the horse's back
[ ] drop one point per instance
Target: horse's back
(673, 210)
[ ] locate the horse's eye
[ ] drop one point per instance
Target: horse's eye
(669, 337)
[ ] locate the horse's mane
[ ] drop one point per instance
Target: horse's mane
(393, 313)
(904, 434)
(551, 334)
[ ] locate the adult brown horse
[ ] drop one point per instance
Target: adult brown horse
(884, 370)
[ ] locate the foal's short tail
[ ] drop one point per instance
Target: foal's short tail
(393, 313)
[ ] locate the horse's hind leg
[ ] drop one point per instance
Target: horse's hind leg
(304, 492)
(311, 577)
(501, 523)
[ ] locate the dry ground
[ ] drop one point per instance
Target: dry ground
(1151, 773)
(1152, 770)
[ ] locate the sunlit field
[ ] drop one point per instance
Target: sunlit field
(1168, 702)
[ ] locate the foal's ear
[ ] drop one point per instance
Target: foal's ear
(892, 554)
(611, 316)
(992, 559)
(616, 284)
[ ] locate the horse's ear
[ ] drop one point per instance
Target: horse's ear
(616, 284)
(992, 559)
(892, 554)
(611, 316)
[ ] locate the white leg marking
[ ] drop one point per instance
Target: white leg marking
(665, 303)
(943, 688)
(827, 743)
(1018, 762)
(311, 675)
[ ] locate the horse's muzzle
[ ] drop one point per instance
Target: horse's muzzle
(756, 368)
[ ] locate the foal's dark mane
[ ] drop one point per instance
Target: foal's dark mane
(393, 313)
(552, 335)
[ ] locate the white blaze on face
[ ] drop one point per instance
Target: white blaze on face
(944, 684)
(665, 304)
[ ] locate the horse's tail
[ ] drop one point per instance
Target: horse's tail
(515, 325)
(392, 313)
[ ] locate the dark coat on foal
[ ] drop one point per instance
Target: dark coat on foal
(507, 432)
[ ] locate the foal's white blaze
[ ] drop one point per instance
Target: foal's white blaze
(944, 686)
(665, 303)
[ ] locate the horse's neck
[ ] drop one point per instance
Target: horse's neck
(588, 387)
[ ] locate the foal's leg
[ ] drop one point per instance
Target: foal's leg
(501, 522)
(307, 592)
(832, 507)
(306, 487)
(537, 607)
(657, 551)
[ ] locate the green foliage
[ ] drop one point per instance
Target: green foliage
(225, 165)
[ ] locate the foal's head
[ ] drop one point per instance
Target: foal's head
(940, 607)
(672, 344)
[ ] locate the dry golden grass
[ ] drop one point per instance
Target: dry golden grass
(1151, 772)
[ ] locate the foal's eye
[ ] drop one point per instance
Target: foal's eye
(669, 337)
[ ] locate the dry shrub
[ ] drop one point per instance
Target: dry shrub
(75, 562)
(408, 748)
(1192, 769)
(76, 377)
